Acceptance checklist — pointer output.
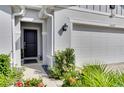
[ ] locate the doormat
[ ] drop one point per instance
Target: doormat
(29, 61)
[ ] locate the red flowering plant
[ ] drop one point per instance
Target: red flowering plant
(19, 84)
(30, 83)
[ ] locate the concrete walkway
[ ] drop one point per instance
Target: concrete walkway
(35, 70)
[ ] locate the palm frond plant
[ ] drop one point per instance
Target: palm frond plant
(97, 76)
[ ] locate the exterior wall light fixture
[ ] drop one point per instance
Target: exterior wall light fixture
(65, 27)
(112, 7)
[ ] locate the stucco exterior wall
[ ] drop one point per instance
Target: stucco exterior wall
(63, 39)
(5, 29)
(17, 42)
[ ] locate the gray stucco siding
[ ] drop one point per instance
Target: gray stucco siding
(64, 40)
(5, 29)
(65, 15)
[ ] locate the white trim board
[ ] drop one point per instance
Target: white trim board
(43, 33)
(96, 23)
(38, 38)
(32, 20)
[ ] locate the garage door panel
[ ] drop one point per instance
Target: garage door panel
(81, 41)
(98, 42)
(77, 34)
(81, 44)
(113, 42)
(112, 52)
(121, 51)
(91, 42)
(86, 52)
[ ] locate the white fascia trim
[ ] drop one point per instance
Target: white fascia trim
(96, 23)
(89, 11)
(35, 7)
(95, 12)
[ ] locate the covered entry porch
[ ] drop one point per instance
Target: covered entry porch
(31, 37)
(31, 43)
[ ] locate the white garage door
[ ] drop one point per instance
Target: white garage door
(97, 44)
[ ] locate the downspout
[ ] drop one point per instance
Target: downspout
(21, 13)
(52, 40)
(43, 10)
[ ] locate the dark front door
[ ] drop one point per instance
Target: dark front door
(30, 43)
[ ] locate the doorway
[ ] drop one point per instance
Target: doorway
(30, 43)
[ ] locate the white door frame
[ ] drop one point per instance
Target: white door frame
(38, 41)
(43, 33)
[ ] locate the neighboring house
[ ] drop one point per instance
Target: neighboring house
(96, 32)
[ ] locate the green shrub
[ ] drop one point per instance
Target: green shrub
(4, 81)
(94, 76)
(64, 60)
(32, 82)
(11, 78)
(8, 75)
(4, 64)
(72, 78)
(55, 73)
(16, 74)
(69, 56)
